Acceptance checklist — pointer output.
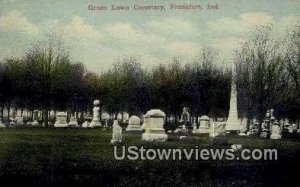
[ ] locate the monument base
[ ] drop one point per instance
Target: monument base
(73, 125)
(61, 125)
(35, 123)
(232, 127)
(154, 137)
(134, 128)
(242, 134)
(203, 130)
(275, 136)
(115, 142)
(95, 124)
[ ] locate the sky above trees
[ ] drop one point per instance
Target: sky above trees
(100, 38)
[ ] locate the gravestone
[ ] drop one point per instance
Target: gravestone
(291, 129)
(105, 116)
(154, 122)
(286, 125)
(1, 124)
(204, 125)
(119, 117)
(244, 127)
(184, 120)
(61, 119)
(73, 121)
(19, 112)
(294, 126)
(265, 131)
(265, 127)
(87, 117)
(12, 122)
(126, 117)
(96, 115)
(298, 126)
(134, 124)
(275, 131)
(52, 115)
(185, 115)
(116, 133)
(35, 118)
(19, 120)
(85, 124)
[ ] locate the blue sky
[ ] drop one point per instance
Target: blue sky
(100, 38)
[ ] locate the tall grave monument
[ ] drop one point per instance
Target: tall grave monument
(96, 115)
(233, 123)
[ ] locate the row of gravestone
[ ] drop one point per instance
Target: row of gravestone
(270, 126)
(154, 123)
(61, 118)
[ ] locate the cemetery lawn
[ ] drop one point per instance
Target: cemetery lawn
(60, 157)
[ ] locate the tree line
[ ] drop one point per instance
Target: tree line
(267, 76)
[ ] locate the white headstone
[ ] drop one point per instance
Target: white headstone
(204, 125)
(119, 116)
(153, 122)
(96, 115)
(73, 122)
(134, 124)
(105, 116)
(117, 133)
(85, 124)
(291, 129)
(19, 120)
(19, 112)
(35, 118)
(125, 117)
(244, 127)
(275, 131)
(52, 114)
(1, 124)
(172, 119)
(61, 119)
(184, 129)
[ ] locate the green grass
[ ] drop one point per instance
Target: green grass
(58, 157)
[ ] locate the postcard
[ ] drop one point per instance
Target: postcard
(149, 92)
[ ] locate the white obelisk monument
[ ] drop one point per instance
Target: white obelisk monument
(233, 123)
